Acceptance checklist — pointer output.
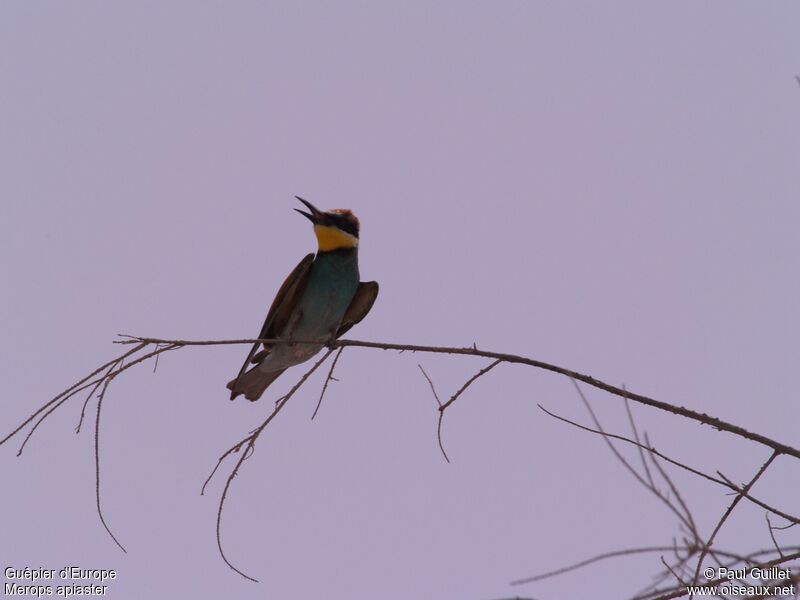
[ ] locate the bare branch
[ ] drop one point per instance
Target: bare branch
(702, 418)
(691, 546)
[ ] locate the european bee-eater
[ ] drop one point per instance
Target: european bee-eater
(319, 301)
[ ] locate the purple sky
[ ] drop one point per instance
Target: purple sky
(613, 188)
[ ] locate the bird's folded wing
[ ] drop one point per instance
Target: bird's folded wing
(359, 307)
(286, 299)
(281, 308)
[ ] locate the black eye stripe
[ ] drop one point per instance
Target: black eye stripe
(346, 225)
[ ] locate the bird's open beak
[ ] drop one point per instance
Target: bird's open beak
(315, 216)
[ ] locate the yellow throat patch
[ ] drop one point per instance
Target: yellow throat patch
(333, 238)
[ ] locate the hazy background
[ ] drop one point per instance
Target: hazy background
(613, 188)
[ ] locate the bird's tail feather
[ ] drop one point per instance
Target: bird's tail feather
(252, 383)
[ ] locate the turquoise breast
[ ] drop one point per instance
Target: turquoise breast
(332, 283)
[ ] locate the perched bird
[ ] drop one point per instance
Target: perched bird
(319, 301)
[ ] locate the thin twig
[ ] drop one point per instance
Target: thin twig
(690, 520)
(793, 520)
(228, 452)
(772, 534)
(71, 390)
(469, 381)
(329, 378)
(441, 414)
(439, 435)
(607, 439)
(727, 513)
(674, 574)
(89, 397)
(155, 365)
(250, 440)
(97, 461)
(589, 561)
(430, 382)
(114, 368)
(453, 398)
(52, 409)
(723, 481)
(636, 437)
